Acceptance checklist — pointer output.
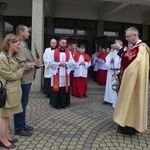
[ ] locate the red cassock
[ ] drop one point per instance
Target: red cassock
(79, 87)
(101, 77)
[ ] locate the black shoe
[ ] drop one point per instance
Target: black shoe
(23, 133)
(127, 133)
(127, 130)
(85, 95)
(106, 103)
(57, 107)
(63, 107)
(28, 128)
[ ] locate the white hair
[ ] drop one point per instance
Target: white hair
(133, 30)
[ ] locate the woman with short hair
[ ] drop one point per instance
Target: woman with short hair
(10, 75)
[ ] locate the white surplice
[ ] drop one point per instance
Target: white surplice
(102, 64)
(96, 63)
(55, 66)
(81, 70)
(110, 95)
(46, 55)
(93, 56)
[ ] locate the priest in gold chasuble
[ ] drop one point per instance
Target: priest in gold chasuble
(131, 112)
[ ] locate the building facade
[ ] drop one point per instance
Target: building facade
(92, 22)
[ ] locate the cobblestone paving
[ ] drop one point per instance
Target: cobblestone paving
(86, 125)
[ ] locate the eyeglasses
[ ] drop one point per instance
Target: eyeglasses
(129, 36)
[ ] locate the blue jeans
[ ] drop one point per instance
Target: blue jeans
(19, 119)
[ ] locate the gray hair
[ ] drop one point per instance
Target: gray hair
(20, 27)
(53, 40)
(133, 30)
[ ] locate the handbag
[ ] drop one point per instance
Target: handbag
(2, 95)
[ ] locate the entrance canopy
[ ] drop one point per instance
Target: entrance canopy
(131, 11)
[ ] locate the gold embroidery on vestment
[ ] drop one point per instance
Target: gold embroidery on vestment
(130, 55)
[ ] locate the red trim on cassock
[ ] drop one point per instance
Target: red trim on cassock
(102, 56)
(87, 58)
(56, 77)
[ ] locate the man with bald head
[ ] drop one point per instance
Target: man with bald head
(47, 72)
(131, 112)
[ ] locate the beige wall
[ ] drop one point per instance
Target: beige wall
(38, 38)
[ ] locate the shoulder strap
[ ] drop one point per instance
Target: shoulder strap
(1, 85)
(8, 61)
(7, 58)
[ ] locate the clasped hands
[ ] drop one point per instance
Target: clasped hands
(112, 60)
(82, 63)
(63, 63)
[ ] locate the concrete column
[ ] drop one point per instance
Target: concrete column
(50, 25)
(100, 28)
(1, 31)
(144, 31)
(38, 38)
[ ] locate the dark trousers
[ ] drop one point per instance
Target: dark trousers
(47, 86)
(19, 119)
(95, 76)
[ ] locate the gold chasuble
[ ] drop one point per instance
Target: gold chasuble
(132, 103)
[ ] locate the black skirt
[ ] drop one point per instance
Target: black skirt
(60, 99)
(47, 86)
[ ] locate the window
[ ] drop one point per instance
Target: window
(63, 31)
(75, 27)
(81, 32)
(111, 33)
(8, 27)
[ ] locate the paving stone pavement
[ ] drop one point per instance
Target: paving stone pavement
(86, 125)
